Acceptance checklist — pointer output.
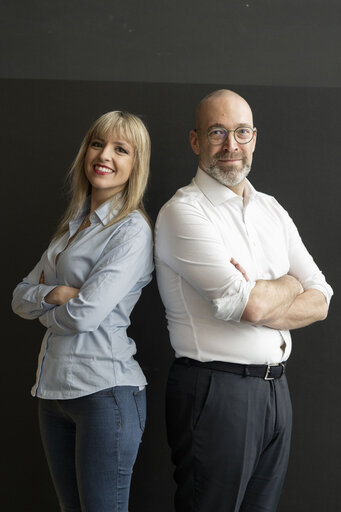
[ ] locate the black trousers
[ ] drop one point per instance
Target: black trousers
(230, 439)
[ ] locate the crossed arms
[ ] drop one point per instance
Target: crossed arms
(283, 304)
(280, 303)
(68, 310)
(60, 294)
(192, 246)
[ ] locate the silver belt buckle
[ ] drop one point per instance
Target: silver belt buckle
(268, 370)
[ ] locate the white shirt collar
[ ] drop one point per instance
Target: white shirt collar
(217, 193)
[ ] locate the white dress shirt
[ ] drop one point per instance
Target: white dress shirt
(198, 231)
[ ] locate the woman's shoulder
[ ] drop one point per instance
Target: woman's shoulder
(135, 220)
(131, 226)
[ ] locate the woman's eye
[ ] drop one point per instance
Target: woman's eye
(121, 150)
(96, 144)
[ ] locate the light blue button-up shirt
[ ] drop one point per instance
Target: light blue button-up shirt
(86, 347)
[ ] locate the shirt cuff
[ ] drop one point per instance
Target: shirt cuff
(231, 306)
(325, 289)
(42, 294)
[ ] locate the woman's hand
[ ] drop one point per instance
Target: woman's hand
(61, 294)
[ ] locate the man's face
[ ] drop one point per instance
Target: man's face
(228, 162)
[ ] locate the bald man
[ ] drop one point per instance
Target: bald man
(234, 277)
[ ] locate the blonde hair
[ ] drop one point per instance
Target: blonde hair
(130, 128)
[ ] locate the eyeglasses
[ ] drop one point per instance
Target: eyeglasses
(218, 135)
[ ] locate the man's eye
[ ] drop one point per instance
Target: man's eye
(244, 132)
(218, 132)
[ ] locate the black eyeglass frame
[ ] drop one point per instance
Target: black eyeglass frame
(254, 130)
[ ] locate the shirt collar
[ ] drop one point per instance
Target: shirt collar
(104, 213)
(108, 210)
(217, 193)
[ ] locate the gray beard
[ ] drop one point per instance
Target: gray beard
(229, 177)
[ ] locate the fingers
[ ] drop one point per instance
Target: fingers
(61, 294)
(67, 293)
(239, 268)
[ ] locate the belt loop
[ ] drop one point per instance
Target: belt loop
(246, 372)
(283, 370)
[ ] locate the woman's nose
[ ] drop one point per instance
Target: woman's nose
(106, 152)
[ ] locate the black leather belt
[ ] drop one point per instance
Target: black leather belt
(264, 371)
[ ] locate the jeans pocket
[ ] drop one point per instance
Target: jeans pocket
(140, 402)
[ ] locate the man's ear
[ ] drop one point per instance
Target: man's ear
(194, 141)
(254, 140)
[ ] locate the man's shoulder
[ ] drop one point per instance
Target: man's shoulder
(269, 203)
(190, 195)
(268, 198)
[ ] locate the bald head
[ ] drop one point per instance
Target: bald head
(222, 155)
(220, 97)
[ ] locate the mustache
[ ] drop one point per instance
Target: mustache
(225, 154)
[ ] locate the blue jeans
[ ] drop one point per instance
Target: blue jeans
(91, 444)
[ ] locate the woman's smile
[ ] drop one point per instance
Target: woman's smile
(102, 169)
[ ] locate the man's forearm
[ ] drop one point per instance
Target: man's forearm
(270, 300)
(307, 308)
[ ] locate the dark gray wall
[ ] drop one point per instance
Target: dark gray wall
(257, 42)
(86, 49)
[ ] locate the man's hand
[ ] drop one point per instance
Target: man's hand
(262, 311)
(61, 294)
(240, 268)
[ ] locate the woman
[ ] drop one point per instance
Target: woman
(90, 389)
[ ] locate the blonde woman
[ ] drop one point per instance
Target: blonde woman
(90, 389)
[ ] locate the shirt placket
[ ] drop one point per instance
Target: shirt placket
(258, 255)
(253, 242)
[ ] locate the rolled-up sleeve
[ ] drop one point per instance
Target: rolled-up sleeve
(302, 265)
(191, 245)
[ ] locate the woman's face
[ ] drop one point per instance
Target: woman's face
(108, 164)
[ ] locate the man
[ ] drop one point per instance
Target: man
(234, 277)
